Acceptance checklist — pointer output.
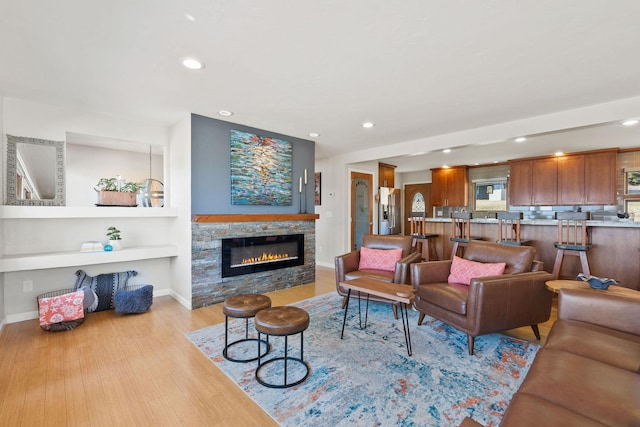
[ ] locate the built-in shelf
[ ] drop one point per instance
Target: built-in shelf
(27, 212)
(76, 258)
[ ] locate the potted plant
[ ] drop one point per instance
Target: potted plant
(117, 192)
(115, 240)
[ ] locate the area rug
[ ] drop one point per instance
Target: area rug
(368, 379)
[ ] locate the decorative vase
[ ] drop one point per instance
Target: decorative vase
(116, 244)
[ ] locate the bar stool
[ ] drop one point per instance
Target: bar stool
(282, 321)
(573, 239)
(418, 226)
(461, 231)
(244, 307)
(509, 228)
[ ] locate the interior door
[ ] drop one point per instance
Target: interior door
(361, 207)
(412, 202)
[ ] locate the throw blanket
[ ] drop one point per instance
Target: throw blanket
(61, 308)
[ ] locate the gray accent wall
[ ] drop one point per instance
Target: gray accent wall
(211, 167)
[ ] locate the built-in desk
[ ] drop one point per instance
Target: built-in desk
(614, 253)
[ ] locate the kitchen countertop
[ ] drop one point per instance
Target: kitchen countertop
(626, 223)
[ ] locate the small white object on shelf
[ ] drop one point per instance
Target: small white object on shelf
(92, 247)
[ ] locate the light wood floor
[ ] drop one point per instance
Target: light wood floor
(137, 370)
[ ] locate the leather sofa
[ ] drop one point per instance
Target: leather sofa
(346, 266)
(489, 304)
(588, 372)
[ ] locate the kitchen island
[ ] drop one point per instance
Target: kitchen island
(614, 254)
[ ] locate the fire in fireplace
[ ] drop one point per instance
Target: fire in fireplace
(246, 255)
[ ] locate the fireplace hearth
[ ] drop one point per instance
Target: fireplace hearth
(247, 255)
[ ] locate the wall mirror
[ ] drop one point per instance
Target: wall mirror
(35, 172)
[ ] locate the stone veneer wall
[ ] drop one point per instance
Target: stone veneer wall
(208, 285)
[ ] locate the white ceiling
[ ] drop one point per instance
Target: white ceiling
(416, 68)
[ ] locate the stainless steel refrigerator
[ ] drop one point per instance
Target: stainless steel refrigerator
(390, 211)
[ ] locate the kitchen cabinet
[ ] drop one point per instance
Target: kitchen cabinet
(576, 179)
(533, 182)
(545, 181)
(520, 186)
(600, 178)
(386, 175)
(450, 186)
(588, 179)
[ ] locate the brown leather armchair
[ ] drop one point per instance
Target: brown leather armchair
(347, 265)
(488, 304)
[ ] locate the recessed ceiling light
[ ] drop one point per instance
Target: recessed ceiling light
(225, 113)
(190, 17)
(559, 153)
(630, 122)
(495, 161)
(419, 153)
(314, 134)
(445, 166)
(192, 64)
(446, 150)
(520, 139)
(367, 125)
(476, 164)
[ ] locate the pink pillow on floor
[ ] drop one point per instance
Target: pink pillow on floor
(379, 259)
(462, 270)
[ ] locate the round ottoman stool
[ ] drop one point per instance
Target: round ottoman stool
(283, 321)
(244, 307)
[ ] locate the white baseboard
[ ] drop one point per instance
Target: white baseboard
(325, 264)
(186, 303)
(30, 315)
(21, 317)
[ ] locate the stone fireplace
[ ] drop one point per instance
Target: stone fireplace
(211, 285)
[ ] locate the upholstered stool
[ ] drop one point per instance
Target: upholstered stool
(282, 321)
(244, 307)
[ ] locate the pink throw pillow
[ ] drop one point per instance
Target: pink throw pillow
(462, 270)
(379, 259)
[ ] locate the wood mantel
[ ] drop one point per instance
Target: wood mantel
(253, 217)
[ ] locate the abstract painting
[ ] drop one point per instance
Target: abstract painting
(260, 170)
(317, 189)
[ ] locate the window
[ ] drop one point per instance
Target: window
(417, 204)
(632, 182)
(632, 207)
(490, 195)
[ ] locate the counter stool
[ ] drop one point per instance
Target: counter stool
(461, 231)
(573, 240)
(282, 321)
(419, 235)
(509, 228)
(244, 307)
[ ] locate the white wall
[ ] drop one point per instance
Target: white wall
(333, 227)
(2, 173)
(24, 118)
(82, 171)
(179, 180)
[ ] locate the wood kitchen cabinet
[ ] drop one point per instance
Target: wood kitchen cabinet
(520, 183)
(533, 182)
(576, 179)
(450, 186)
(386, 175)
(545, 182)
(587, 179)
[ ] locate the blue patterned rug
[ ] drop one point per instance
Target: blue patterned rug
(367, 378)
